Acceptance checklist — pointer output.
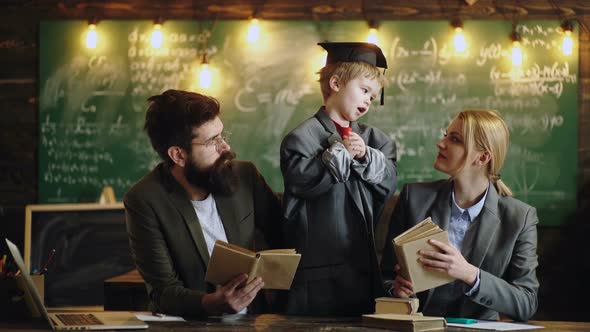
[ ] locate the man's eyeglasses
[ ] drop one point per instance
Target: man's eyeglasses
(217, 141)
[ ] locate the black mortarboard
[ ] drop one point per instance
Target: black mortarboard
(355, 51)
(348, 52)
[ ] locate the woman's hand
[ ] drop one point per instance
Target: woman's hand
(401, 287)
(450, 261)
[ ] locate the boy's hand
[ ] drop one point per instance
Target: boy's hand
(349, 147)
(355, 146)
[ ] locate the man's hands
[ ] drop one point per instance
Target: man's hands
(355, 145)
(233, 297)
(450, 261)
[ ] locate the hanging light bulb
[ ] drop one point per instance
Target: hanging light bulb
(516, 54)
(568, 44)
(324, 58)
(372, 37)
(157, 36)
(91, 36)
(253, 31)
(205, 74)
(318, 62)
(459, 42)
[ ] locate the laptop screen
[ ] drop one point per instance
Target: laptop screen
(106, 320)
(31, 289)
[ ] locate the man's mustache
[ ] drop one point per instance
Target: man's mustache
(222, 178)
(225, 157)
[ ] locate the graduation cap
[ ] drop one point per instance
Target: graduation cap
(355, 51)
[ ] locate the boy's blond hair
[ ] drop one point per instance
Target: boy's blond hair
(347, 71)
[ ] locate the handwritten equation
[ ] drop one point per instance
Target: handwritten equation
(525, 123)
(533, 81)
(154, 70)
(430, 52)
(75, 155)
(404, 79)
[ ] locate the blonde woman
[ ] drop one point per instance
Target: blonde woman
(493, 254)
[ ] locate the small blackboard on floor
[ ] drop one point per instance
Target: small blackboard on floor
(91, 245)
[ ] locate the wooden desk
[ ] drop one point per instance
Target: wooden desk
(245, 323)
(126, 292)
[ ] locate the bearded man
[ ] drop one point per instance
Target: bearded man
(197, 195)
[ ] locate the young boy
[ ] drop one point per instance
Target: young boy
(338, 174)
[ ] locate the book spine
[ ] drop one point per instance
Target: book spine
(401, 259)
(254, 269)
(401, 308)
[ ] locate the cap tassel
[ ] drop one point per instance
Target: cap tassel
(383, 91)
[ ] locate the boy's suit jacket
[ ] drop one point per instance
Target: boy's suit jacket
(331, 222)
(167, 241)
(501, 242)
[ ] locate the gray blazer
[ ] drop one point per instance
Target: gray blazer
(167, 241)
(501, 242)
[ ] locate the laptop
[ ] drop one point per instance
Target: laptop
(103, 320)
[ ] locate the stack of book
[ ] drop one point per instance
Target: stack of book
(402, 315)
(405, 323)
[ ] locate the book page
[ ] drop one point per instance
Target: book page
(424, 234)
(278, 251)
(413, 228)
(227, 262)
(277, 270)
(419, 228)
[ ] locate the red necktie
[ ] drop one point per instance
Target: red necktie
(345, 131)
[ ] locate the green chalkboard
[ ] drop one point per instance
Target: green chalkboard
(92, 102)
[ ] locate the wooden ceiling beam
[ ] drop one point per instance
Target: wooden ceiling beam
(299, 9)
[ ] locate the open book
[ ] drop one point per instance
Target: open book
(407, 245)
(276, 267)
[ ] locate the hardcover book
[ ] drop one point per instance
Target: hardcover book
(392, 305)
(408, 244)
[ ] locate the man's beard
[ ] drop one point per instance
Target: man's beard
(217, 179)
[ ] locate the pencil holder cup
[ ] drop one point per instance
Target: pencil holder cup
(15, 302)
